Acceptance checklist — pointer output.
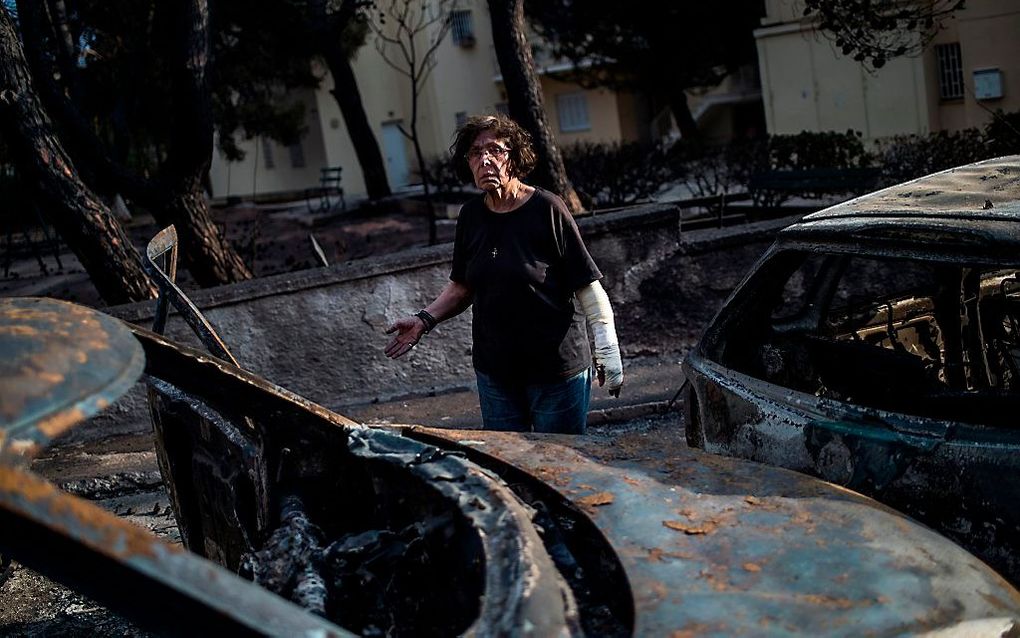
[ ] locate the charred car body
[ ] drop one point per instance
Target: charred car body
(410, 531)
(876, 345)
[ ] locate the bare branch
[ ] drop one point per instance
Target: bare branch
(382, 52)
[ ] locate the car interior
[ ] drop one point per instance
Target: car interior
(926, 338)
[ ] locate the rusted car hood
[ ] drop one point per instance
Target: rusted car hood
(720, 546)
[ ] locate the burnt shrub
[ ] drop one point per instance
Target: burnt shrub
(1002, 134)
(443, 176)
(617, 174)
(824, 163)
(905, 157)
(716, 169)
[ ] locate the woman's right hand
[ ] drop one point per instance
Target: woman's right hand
(409, 330)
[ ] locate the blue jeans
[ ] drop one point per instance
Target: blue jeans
(560, 407)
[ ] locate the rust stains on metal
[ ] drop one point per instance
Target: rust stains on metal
(26, 448)
(61, 421)
(691, 631)
(715, 542)
(60, 363)
(39, 500)
(828, 601)
(998, 603)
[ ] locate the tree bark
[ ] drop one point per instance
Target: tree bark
(348, 98)
(204, 250)
(180, 197)
(79, 216)
(681, 110)
(524, 96)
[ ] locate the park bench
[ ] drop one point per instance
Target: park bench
(770, 188)
(329, 193)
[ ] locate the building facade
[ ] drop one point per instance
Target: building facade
(465, 81)
(971, 69)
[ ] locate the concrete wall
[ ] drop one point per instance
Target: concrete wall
(319, 332)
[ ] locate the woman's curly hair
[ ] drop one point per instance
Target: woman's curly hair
(522, 154)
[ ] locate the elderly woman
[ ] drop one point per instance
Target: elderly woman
(519, 258)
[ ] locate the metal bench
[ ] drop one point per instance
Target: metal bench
(325, 197)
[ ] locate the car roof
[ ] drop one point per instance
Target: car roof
(976, 205)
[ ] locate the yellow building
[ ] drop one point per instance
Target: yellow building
(971, 68)
(465, 81)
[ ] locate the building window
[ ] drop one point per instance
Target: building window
(459, 118)
(573, 112)
(267, 153)
(950, 65)
(297, 155)
(461, 28)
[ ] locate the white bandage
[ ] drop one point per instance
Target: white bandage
(599, 312)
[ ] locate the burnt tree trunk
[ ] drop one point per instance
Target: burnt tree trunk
(180, 197)
(81, 218)
(77, 136)
(348, 98)
(328, 29)
(205, 252)
(681, 110)
(524, 96)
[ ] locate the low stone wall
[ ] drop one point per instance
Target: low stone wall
(320, 332)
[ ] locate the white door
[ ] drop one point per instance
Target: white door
(396, 155)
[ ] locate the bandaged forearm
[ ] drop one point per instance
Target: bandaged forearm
(599, 312)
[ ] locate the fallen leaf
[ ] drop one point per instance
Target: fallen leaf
(752, 567)
(692, 528)
(596, 499)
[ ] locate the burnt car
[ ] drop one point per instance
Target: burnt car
(298, 521)
(876, 345)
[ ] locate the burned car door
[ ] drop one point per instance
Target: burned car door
(895, 377)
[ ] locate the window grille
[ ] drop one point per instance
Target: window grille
(297, 155)
(950, 66)
(573, 112)
(461, 28)
(267, 153)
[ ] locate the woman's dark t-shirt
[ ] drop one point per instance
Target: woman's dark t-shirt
(523, 267)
